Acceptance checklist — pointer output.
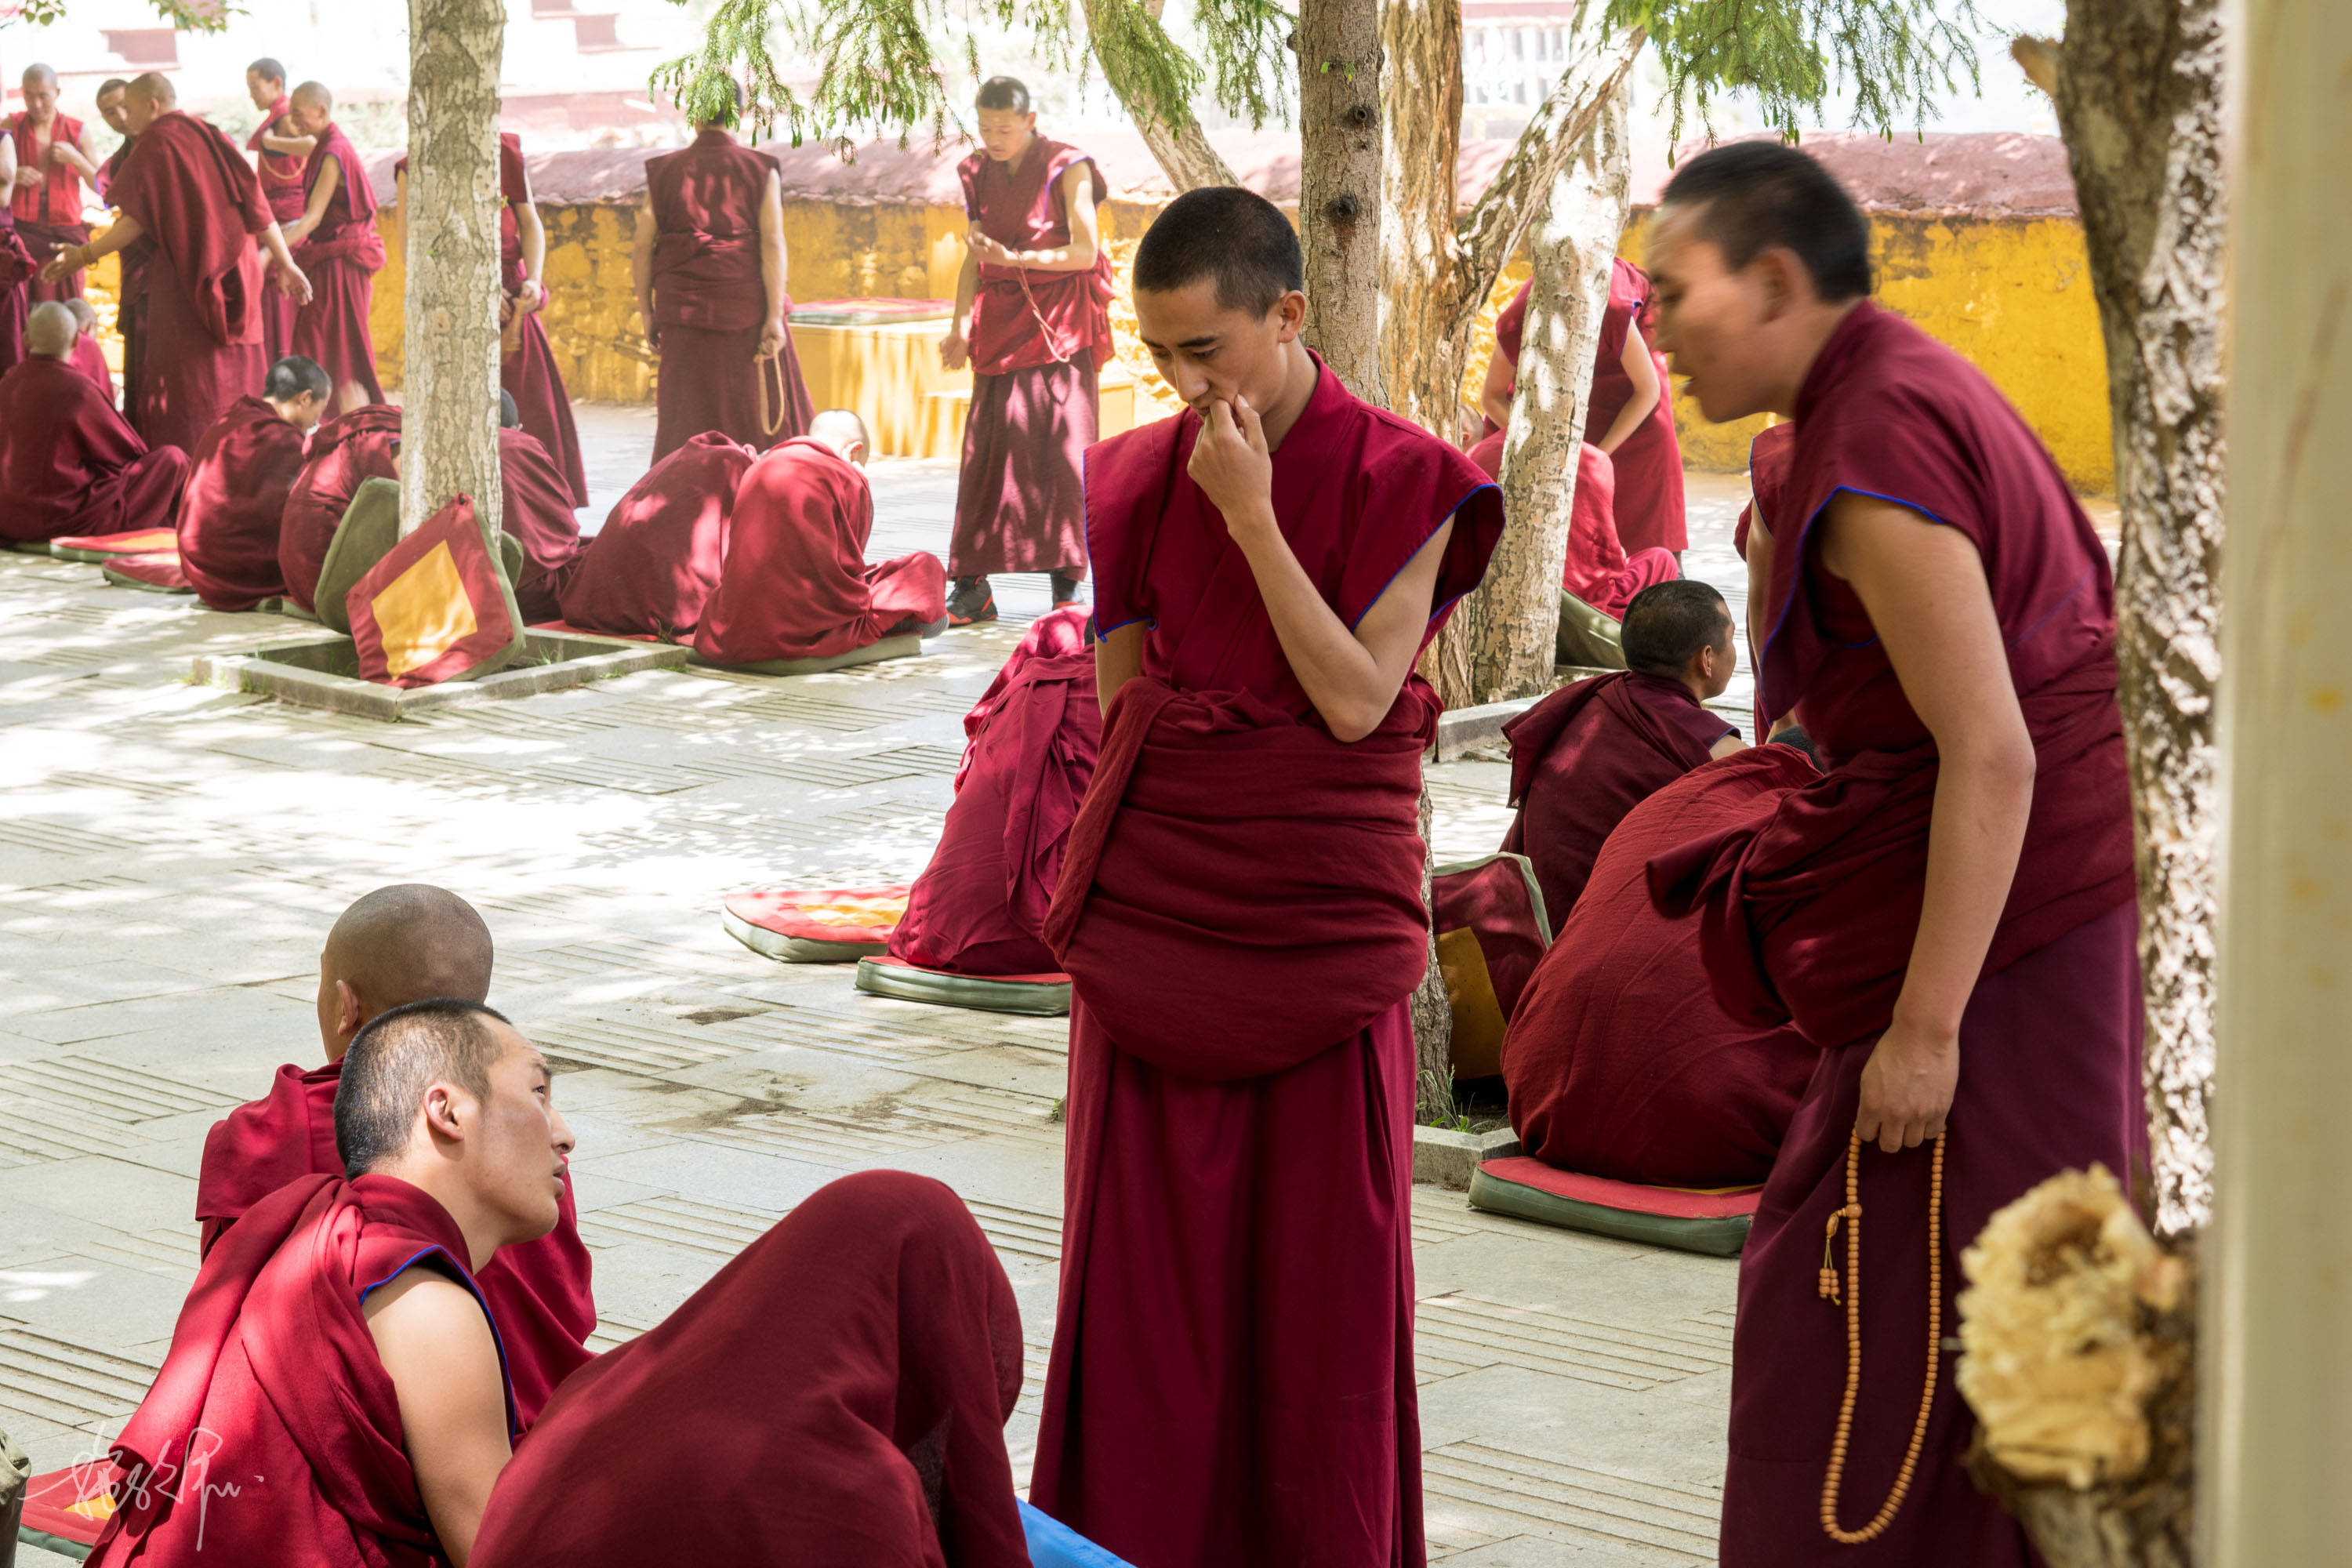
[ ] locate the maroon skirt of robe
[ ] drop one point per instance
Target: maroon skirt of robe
(1019, 502)
(536, 383)
(538, 511)
(277, 317)
(234, 504)
(332, 328)
(345, 452)
(188, 378)
(714, 383)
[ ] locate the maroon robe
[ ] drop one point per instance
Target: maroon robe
(1620, 1061)
(1597, 570)
(539, 1292)
(345, 452)
(17, 266)
(1810, 914)
(1240, 914)
(1586, 755)
(340, 258)
(130, 300)
(48, 215)
(285, 186)
(1038, 342)
(795, 583)
(538, 511)
(69, 465)
(90, 358)
(834, 1397)
(235, 503)
(527, 364)
(197, 199)
(710, 302)
(1770, 459)
(652, 566)
(979, 908)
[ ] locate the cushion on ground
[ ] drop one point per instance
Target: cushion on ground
(869, 313)
(816, 925)
(157, 571)
(1052, 1544)
(1589, 639)
(1039, 996)
(371, 526)
(566, 629)
(437, 606)
(909, 644)
(1492, 928)
(65, 1509)
(107, 546)
(1714, 1223)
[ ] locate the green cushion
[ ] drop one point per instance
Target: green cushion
(1038, 999)
(1715, 1224)
(511, 560)
(906, 646)
(1588, 639)
(793, 949)
(371, 526)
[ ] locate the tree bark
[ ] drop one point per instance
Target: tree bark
(1499, 644)
(1340, 186)
(1181, 148)
(449, 371)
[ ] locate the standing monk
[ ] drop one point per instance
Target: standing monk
(527, 366)
(1239, 911)
(280, 152)
(187, 188)
(131, 295)
(53, 159)
(338, 251)
(1033, 320)
(1948, 913)
(708, 265)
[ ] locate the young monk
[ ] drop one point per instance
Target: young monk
(238, 479)
(130, 298)
(395, 946)
(1240, 914)
(651, 569)
(710, 270)
(538, 511)
(794, 582)
(89, 353)
(281, 154)
(53, 160)
(1033, 320)
(1597, 569)
(345, 452)
(334, 1393)
(1948, 913)
(188, 188)
(1589, 753)
(69, 464)
(336, 244)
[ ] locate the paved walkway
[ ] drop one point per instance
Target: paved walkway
(171, 856)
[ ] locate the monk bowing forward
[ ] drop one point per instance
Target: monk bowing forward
(1948, 914)
(336, 245)
(239, 478)
(1239, 911)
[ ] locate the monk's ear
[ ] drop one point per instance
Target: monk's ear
(1291, 313)
(348, 1011)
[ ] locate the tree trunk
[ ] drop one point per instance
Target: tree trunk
(1340, 186)
(1181, 148)
(449, 371)
(1499, 644)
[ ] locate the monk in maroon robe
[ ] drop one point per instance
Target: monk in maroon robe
(794, 582)
(345, 453)
(397, 945)
(238, 479)
(89, 353)
(1589, 753)
(709, 268)
(538, 511)
(187, 188)
(281, 154)
(131, 297)
(1240, 915)
(979, 908)
(1948, 913)
(68, 465)
(1597, 569)
(52, 164)
(1620, 1061)
(1032, 321)
(527, 364)
(651, 568)
(336, 244)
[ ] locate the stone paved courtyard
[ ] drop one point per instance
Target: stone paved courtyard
(171, 856)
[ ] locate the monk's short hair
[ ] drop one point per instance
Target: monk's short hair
(509, 412)
(314, 93)
(51, 329)
(1224, 232)
(409, 941)
(111, 84)
(37, 72)
(840, 424)
(84, 314)
(1003, 92)
(155, 88)
(1749, 197)
(401, 1053)
(1668, 623)
(294, 375)
(267, 69)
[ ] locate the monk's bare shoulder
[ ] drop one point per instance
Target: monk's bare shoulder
(424, 1312)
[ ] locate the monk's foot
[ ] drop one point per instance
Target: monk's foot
(1065, 588)
(972, 601)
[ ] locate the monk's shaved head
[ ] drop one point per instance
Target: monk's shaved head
(84, 315)
(399, 945)
(1668, 623)
(268, 69)
(313, 94)
(38, 75)
(844, 431)
(402, 1053)
(509, 412)
(50, 330)
(1224, 234)
(156, 88)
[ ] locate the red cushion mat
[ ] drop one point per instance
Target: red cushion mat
(1670, 1203)
(823, 914)
(566, 629)
(1001, 979)
(50, 1502)
(139, 542)
(157, 569)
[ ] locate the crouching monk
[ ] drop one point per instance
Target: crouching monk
(1240, 914)
(1948, 913)
(238, 480)
(651, 568)
(538, 511)
(68, 465)
(336, 1392)
(345, 453)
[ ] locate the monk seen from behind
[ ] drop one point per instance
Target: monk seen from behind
(1239, 911)
(69, 464)
(345, 453)
(238, 479)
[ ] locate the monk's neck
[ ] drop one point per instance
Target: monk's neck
(1300, 377)
(1813, 335)
(1013, 164)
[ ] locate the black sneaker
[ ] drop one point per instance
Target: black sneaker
(1066, 587)
(972, 602)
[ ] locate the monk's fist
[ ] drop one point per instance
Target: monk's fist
(955, 351)
(1907, 1086)
(1231, 465)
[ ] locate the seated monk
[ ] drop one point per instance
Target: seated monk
(1597, 570)
(538, 511)
(1620, 1061)
(68, 465)
(1588, 754)
(653, 564)
(345, 453)
(334, 1396)
(237, 483)
(90, 355)
(979, 907)
(796, 584)
(397, 945)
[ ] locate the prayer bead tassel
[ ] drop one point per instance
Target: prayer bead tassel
(1852, 1213)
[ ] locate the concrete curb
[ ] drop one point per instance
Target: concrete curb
(577, 661)
(1449, 1159)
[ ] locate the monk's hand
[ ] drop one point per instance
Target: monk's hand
(771, 338)
(297, 287)
(61, 264)
(986, 247)
(1231, 465)
(955, 350)
(1907, 1086)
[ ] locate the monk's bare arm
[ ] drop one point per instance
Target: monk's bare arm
(1118, 658)
(74, 257)
(297, 287)
(77, 156)
(1760, 587)
(314, 211)
(641, 268)
(292, 146)
(1924, 586)
(955, 349)
(7, 160)
(436, 1347)
(1495, 397)
(1642, 372)
(773, 263)
(532, 234)
(1725, 746)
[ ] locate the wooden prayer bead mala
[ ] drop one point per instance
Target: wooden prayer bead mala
(1851, 1214)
